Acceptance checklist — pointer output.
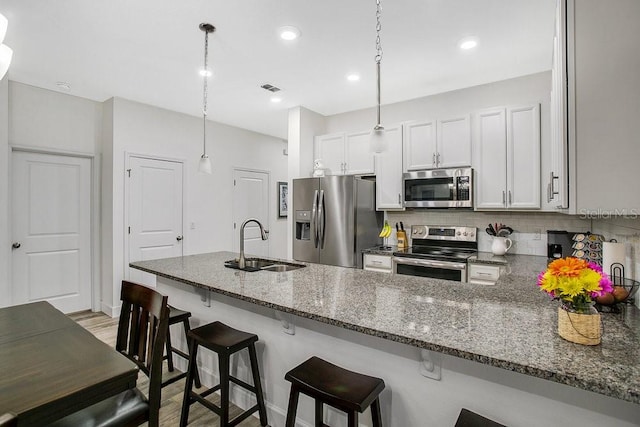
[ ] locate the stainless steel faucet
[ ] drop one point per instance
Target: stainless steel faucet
(265, 235)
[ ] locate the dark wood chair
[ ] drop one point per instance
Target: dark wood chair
(471, 419)
(8, 420)
(142, 330)
(329, 384)
(177, 316)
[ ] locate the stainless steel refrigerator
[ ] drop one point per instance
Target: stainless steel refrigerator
(335, 218)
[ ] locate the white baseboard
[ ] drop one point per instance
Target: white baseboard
(110, 310)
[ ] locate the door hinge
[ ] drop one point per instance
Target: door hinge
(129, 230)
(129, 172)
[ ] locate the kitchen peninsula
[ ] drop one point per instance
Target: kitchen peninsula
(493, 349)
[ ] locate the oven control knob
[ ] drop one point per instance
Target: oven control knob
(416, 231)
(464, 234)
(458, 233)
(471, 234)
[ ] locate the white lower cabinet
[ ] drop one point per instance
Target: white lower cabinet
(507, 158)
(375, 262)
(389, 188)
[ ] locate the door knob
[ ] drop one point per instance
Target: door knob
(16, 245)
(179, 238)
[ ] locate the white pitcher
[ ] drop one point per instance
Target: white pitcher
(499, 245)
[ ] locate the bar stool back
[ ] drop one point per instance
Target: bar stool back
(224, 341)
(329, 384)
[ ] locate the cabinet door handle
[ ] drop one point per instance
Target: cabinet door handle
(434, 159)
(551, 180)
(549, 191)
(399, 198)
(509, 197)
(179, 238)
(16, 245)
(504, 198)
(438, 159)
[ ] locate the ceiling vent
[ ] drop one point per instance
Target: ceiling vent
(270, 88)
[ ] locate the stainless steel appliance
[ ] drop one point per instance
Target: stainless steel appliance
(335, 218)
(438, 252)
(439, 188)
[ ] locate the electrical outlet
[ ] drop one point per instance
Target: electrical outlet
(536, 233)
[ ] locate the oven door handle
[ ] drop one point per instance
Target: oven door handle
(431, 263)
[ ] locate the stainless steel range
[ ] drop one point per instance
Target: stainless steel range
(438, 252)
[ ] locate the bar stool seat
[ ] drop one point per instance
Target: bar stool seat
(329, 384)
(177, 316)
(225, 341)
(471, 419)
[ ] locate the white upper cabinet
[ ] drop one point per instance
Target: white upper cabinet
(523, 157)
(490, 159)
(330, 148)
(507, 158)
(454, 142)
(389, 189)
(345, 154)
(441, 143)
(420, 145)
(358, 155)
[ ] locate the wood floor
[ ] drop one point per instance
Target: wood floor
(105, 329)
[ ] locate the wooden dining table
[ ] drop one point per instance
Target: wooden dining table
(51, 367)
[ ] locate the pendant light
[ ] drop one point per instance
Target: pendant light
(5, 51)
(205, 163)
(378, 138)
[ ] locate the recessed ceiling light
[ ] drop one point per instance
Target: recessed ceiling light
(288, 32)
(468, 43)
(353, 77)
(205, 73)
(63, 86)
(276, 99)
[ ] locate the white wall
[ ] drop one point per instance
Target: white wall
(304, 124)
(147, 130)
(42, 119)
(5, 237)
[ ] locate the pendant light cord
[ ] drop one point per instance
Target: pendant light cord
(205, 93)
(378, 54)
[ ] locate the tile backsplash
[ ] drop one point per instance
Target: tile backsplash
(530, 229)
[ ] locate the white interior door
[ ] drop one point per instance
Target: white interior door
(51, 221)
(250, 200)
(155, 213)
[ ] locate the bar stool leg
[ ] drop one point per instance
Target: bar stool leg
(223, 366)
(257, 383)
(352, 419)
(319, 414)
(293, 407)
(167, 345)
(188, 384)
(375, 413)
(187, 328)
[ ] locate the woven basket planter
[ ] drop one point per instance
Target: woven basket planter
(579, 328)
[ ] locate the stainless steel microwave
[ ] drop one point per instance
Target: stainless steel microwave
(439, 188)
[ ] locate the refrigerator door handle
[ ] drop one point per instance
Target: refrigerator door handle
(321, 219)
(314, 219)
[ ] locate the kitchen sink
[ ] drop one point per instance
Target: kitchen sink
(257, 264)
(283, 267)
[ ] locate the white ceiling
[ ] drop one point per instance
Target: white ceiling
(151, 50)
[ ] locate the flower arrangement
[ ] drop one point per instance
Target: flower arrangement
(574, 282)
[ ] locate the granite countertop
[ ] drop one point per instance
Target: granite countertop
(511, 325)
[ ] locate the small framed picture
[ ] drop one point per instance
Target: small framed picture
(283, 193)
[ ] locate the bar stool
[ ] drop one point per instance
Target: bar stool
(224, 341)
(471, 419)
(348, 391)
(178, 316)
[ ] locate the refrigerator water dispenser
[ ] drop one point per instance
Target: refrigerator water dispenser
(303, 225)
